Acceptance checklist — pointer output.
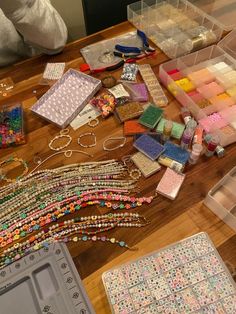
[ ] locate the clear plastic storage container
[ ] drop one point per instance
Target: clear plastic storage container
(221, 199)
(179, 27)
(205, 83)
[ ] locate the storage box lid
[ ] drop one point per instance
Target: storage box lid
(223, 12)
(228, 44)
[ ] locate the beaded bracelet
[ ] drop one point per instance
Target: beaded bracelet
(87, 134)
(109, 139)
(12, 159)
(63, 134)
(93, 122)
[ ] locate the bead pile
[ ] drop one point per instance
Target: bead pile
(29, 207)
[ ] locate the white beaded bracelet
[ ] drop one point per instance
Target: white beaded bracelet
(63, 134)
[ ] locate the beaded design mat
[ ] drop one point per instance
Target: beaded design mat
(186, 277)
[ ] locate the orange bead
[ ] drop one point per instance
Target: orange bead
(32, 239)
(25, 227)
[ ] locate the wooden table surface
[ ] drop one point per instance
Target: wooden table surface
(170, 220)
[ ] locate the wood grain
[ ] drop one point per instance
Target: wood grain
(170, 220)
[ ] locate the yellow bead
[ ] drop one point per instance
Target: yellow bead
(16, 237)
(185, 84)
(112, 240)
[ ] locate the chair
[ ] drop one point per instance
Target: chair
(100, 14)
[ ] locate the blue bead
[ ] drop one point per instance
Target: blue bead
(122, 243)
(102, 203)
(84, 238)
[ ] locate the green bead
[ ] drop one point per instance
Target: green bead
(4, 226)
(77, 207)
(23, 215)
(122, 206)
(22, 234)
(42, 206)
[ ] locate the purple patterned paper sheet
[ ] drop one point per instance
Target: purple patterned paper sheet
(186, 277)
(64, 100)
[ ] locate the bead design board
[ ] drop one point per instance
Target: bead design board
(43, 282)
(66, 98)
(186, 277)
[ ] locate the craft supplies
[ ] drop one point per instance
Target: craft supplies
(185, 84)
(44, 282)
(129, 72)
(167, 129)
(201, 77)
(155, 136)
(186, 115)
(133, 127)
(148, 146)
(129, 111)
(198, 135)
(105, 103)
(118, 91)
(211, 146)
(94, 54)
(212, 71)
(137, 91)
(220, 151)
(89, 113)
(176, 131)
(6, 86)
(66, 98)
(168, 162)
(52, 73)
(195, 153)
(63, 134)
(153, 85)
(186, 138)
(191, 125)
(170, 184)
(92, 135)
(211, 122)
(74, 230)
(145, 165)
(55, 193)
(221, 199)
(120, 139)
(151, 116)
(185, 277)
(93, 122)
(210, 90)
(11, 125)
(175, 152)
(108, 81)
(4, 177)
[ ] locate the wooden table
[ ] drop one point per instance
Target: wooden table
(170, 220)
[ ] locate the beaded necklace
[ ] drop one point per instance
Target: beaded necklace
(77, 229)
(30, 206)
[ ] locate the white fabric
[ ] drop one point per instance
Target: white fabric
(29, 27)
